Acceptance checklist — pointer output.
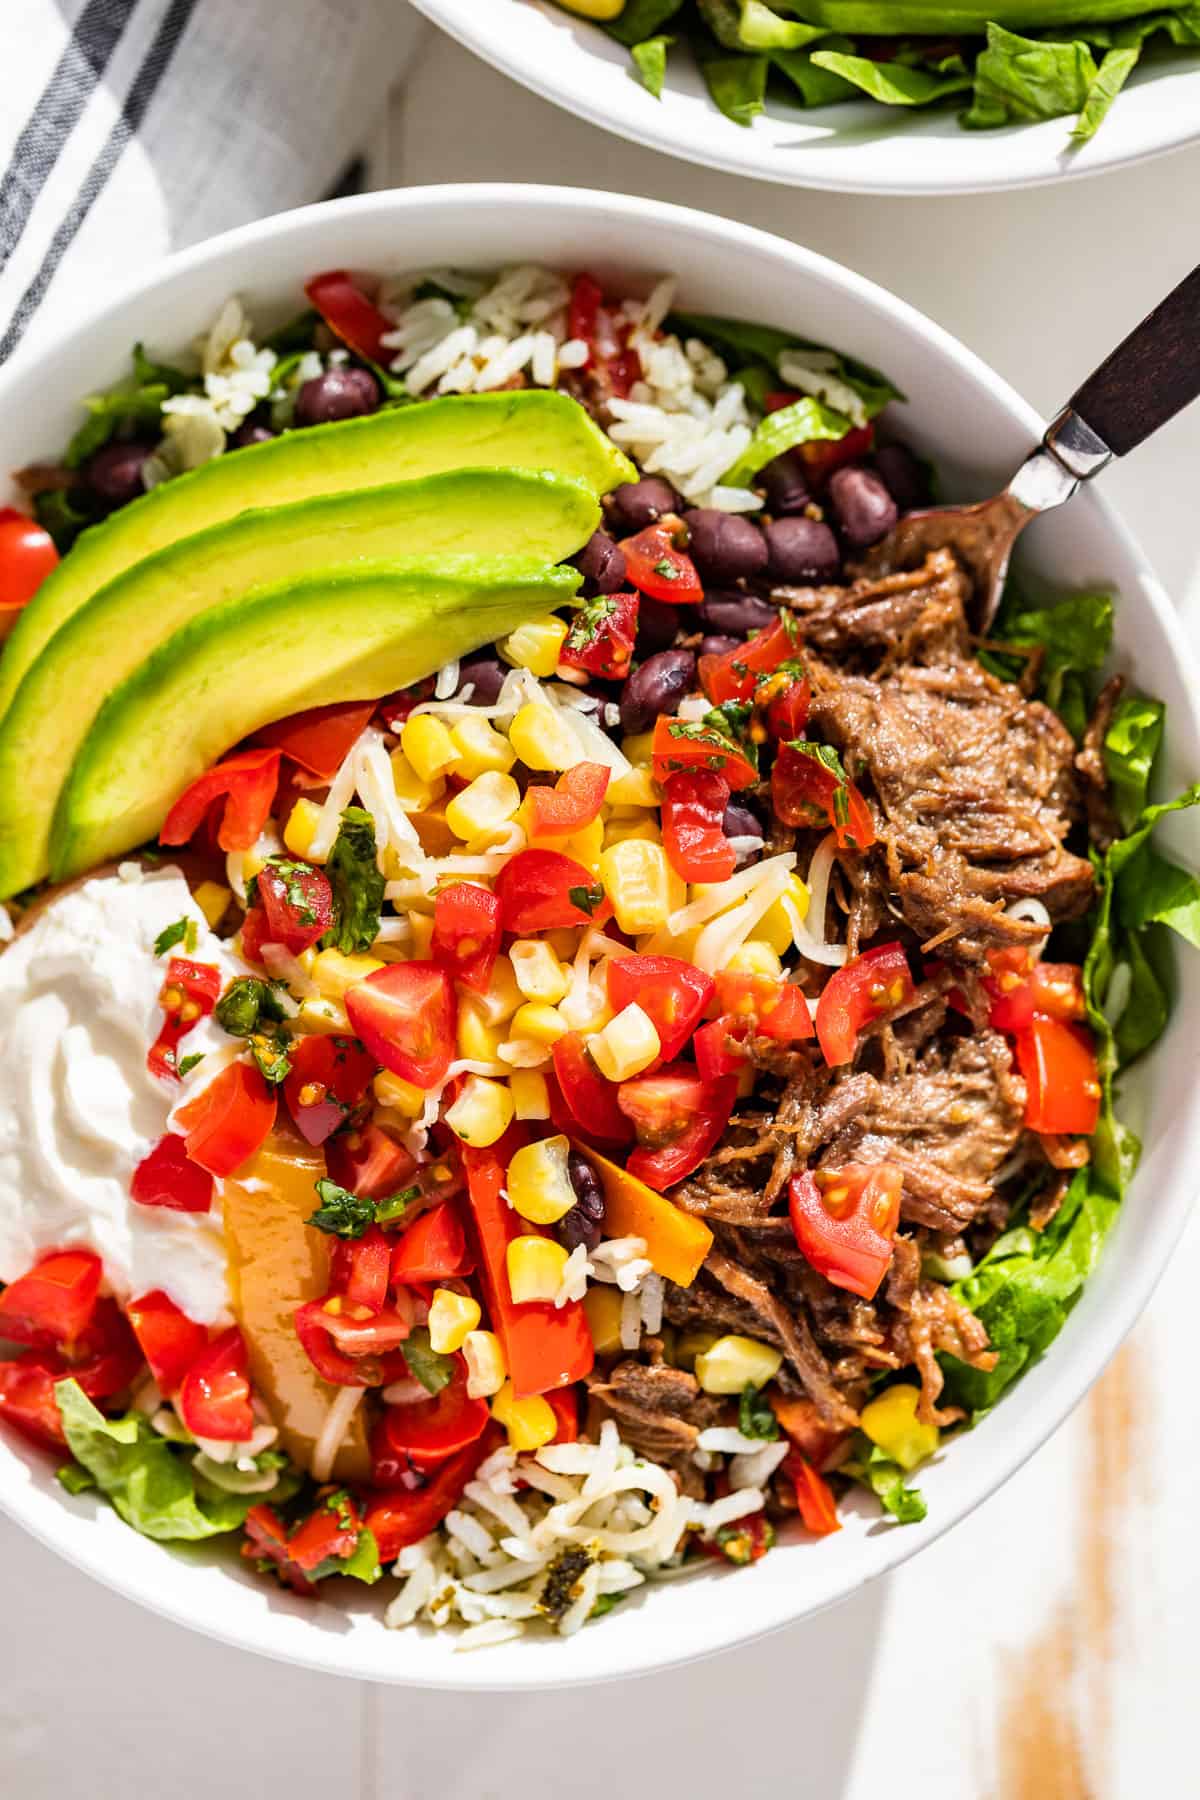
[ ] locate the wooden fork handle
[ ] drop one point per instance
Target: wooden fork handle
(1149, 378)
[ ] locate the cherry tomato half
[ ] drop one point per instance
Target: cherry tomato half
(845, 1222)
(405, 1014)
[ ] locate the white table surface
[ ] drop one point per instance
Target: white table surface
(1045, 1649)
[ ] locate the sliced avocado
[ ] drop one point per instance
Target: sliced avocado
(349, 636)
(486, 512)
(529, 429)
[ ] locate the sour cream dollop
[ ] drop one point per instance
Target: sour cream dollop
(79, 1109)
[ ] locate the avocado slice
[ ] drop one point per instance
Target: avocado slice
(528, 429)
(352, 635)
(489, 512)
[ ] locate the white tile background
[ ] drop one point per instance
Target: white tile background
(1045, 1649)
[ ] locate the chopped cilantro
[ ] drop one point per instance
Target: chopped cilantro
(587, 899)
(356, 882)
(667, 570)
(341, 1213)
(188, 1063)
(75, 1478)
(755, 1418)
(173, 934)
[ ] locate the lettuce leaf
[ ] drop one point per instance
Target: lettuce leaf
(1021, 79)
(762, 346)
(816, 86)
(1074, 636)
(893, 83)
(640, 20)
(804, 422)
(1131, 744)
(650, 61)
(134, 405)
(737, 85)
(1113, 73)
(869, 1465)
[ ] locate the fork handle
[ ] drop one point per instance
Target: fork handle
(1147, 379)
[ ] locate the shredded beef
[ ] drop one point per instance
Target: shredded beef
(1103, 824)
(660, 1410)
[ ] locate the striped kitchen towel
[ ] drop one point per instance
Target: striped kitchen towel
(132, 127)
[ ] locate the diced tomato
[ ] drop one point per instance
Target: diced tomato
(1058, 1062)
(605, 334)
(872, 984)
(808, 1431)
(814, 1497)
(590, 1099)
(27, 1397)
(168, 1177)
(671, 992)
(678, 1118)
(188, 994)
(328, 1536)
(571, 804)
(293, 907)
(321, 738)
(466, 933)
(352, 1346)
(369, 1162)
(228, 1120)
(809, 787)
(329, 1077)
(845, 1222)
(360, 1268)
(545, 1346)
(719, 1047)
(1050, 991)
(53, 1302)
(430, 1430)
(543, 890)
(27, 556)
(404, 1516)
(105, 1357)
(735, 673)
(786, 696)
(169, 1340)
(602, 636)
(583, 310)
(776, 401)
(434, 1248)
(564, 1404)
(405, 1013)
(777, 1009)
(214, 1401)
(693, 825)
(657, 568)
(243, 786)
(824, 455)
(688, 744)
(350, 314)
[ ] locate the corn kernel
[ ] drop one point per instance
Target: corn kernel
(485, 803)
(542, 739)
(891, 1422)
(486, 1368)
(213, 900)
(538, 1022)
(451, 1317)
(428, 746)
(756, 957)
(530, 1423)
(617, 830)
(586, 845)
(775, 926)
(636, 788)
(480, 748)
(731, 1362)
(299, 832)
(641, 884)
(420, 936)
(525, 1053)
(478, 1040)
(691, 1344)
(639, 748)
(413, 791)
(535, 1268)
(322, 1018)
(535, 646)
(627, 1045)
(596, 9)
(538, 1183)
(392, 1090)
(539, 974)
(334, 972)
(503, 996)
(482, 1113)
(602, 1307)
(531, 1096)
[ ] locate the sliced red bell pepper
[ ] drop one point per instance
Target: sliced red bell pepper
(188, 994)
(321, 738)
(693, 825)
(53, 1302)
(823, 455)
(564, 1404)
(814, 1497)
(350, 314)
(434, 1248)
(169, 1340)
(168, 1177)
(571, 804)
(243, 785)
(467, 933)
(404, 1516)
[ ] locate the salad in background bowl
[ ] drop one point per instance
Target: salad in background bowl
(558, 1114)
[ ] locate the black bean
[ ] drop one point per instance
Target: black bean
(657, 626)
(250, 432)
(724, 546)
(584, 1224)
(902, 475)
(719, 646)
(802, 550)
(731, 612)
(601, 562)
(739, 821)
(342, 392)
(861, 505)
(654, 687)
(786, 483)
(114, 473)
(636, 504)
(486, 674)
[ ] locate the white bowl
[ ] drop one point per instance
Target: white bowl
(978, 429)
(860, 147)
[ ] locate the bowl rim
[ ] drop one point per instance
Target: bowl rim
(647, 121)
(996, 1457)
